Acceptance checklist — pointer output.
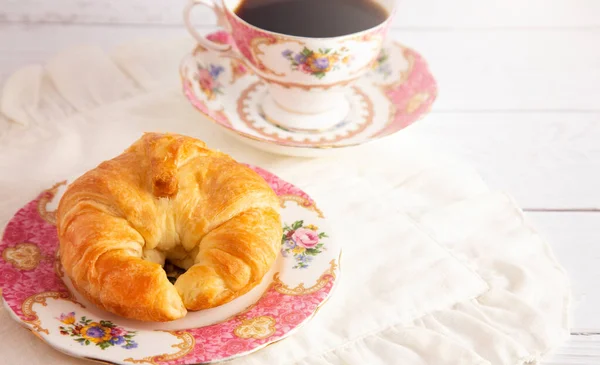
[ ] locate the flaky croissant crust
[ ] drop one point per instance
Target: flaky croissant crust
(167, 197)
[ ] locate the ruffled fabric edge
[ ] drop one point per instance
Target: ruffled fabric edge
(523, 316)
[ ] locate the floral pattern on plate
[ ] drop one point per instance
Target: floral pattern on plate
(302, 242)
(103, 334)
(208, 79)
(382, 65)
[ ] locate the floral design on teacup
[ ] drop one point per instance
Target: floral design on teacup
(103, 334)
(318, 63)
(208, 79)
(302, 242)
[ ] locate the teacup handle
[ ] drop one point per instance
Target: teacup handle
(202, 40)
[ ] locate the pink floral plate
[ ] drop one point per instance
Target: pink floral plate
(39, 296)
(397, 91)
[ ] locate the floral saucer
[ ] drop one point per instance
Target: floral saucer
(37, 294)
(393, 94)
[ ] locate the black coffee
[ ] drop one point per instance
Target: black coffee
(312, 18)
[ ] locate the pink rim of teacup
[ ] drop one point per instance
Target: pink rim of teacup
(411, 96)
(30, 274)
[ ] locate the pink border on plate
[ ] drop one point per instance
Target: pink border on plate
(413, 97)
(217, 342)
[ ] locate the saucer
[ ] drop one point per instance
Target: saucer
(38, 295)
(396, 91)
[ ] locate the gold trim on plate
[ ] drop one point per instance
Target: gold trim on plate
(289, 85)
(24, 256)
(47, 196)
(258, 327)
(303, 202)
(187, 344)
(40, 298)
(244, 116)
(410, 58)
(325, 278)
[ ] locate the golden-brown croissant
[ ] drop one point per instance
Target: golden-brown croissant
(167, 197)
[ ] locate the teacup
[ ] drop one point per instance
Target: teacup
(307, 78)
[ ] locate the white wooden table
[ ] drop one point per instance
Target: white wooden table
(519, 99)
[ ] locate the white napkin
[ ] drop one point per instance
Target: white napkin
(521, 317)
(404, 298)
(529, 297)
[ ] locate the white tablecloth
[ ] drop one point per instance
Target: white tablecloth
(437, 268)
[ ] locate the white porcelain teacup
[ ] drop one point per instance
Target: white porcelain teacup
(307, 78)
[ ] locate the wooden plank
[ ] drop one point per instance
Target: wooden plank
(414, 14)
(48, 39)
(509, 70)
(578, 350)
(22, 44)
(545, 160)
(495, 70)
(574, 239)
(494, 14)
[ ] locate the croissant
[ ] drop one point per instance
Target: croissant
(167, 197)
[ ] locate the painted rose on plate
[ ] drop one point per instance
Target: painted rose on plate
(304, 237)
(302, 242)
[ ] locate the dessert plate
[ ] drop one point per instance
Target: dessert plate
(37, 294)
(393, 94)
